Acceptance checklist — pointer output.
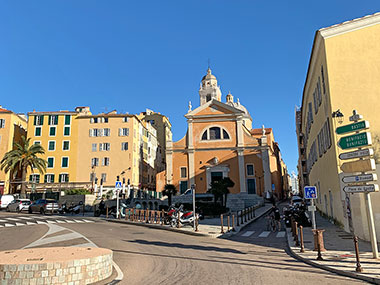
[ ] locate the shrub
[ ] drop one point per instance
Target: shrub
(77, 192)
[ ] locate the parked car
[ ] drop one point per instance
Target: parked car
(18, 205)
(43, 206)
(5, 200)
(296, 200)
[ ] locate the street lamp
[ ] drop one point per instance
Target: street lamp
(339, 115)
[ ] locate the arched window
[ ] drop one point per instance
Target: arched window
(208, 97)
(225, 135)
(215, 133)
(204, 136)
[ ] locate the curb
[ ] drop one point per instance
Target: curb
(157, 227)
(328, 268)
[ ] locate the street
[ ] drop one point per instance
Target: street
(149, 256)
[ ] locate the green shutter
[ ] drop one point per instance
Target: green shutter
(38, 132)
(49, 122)
(65, 161)
(45, 178)
(67, 119)
(38, 178)
(42, 120)
(52, 178)
(52, 131)
(35, 120)
(30, 178)
(59, 178)
(67, 131)
(56, 120)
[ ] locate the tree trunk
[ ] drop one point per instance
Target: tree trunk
(23, 180)
(169, 200)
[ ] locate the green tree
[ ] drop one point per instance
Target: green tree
(169, 191)
(219, 188)
(23, 157)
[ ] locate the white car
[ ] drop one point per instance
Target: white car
(296, 200)
(5, 200)
(18, 205)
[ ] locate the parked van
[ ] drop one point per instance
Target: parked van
(5, 200)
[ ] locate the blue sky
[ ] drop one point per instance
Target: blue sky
(132, 55)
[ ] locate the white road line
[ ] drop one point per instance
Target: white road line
(12, 219)
(248, 233)
(264, 234)
(30, 223)
(41, 223)
(20, 224)
(87, 221)
(1, 226)
(280, 235)
(70, 222)
(60, 222)
(26, 218)
(9, 225)
(51, 222)
(3, 221)
(78, 221)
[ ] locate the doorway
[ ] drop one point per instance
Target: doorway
(251, 186)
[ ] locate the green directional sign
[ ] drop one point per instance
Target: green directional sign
(356, 140)
(352, 127)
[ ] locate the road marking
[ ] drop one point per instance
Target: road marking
(248, 233)
(70, 222)
(78, 221)
(280, 235)
(41, 223)
(264, 234)
(1, 226)
(9, 225)
(20, 224)
(87, 221)
(60, 222)
(12, 219)
(30, 223)
(26, 218)
(3, 221)
(51, 222)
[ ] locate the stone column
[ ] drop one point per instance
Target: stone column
(169, 162)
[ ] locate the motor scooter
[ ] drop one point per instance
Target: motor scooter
(185, 218)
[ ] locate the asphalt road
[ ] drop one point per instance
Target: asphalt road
(150, 256)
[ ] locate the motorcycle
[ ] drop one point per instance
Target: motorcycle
(73, 209)
(185, 218)
(103, 211)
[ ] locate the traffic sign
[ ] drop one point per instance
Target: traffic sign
(352, 127)
(118, 185)
(359, 178)
(356, 140)
(356, 154)
(310, 192)
(361, 188)
(358, 165)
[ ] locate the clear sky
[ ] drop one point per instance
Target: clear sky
(132, 55)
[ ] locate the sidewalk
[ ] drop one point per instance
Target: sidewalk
(339, 256)
(206, 227)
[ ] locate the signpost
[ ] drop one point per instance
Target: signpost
(360, 178)
(356, 154)
(310, 192)
(361, 188)
(352, 127)
(356, 140)
(194, 215)
(359, 166)
(118, 187)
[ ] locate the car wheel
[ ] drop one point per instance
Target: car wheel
(30, 210)
(42, 211)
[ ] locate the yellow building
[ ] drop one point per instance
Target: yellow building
(57, 132)
(343, 74)
(12, 128)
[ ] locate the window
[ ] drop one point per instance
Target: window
(106, 132)
(215, 133)
(63, 177)
(2, 123)
(104, 177)
(49, 178)
(123, 132)
(53, 120)
(183, 186)
(105, 120)
(34, 178)
(67, 119)
(124, 146)
(106, 161)
(94, 147)
(37, 142)
(94, 161)
(52, 131)
(96, 132)
(208, 97)
(37, 131)
(225, 135)
(183, 172)
(104, 146)
(66, 145)
(50, 162)
(65, 162)
(51, 145)
(66, 131)
(204, 136)
(125, 119)
(94, 120)
(38, 120)
(250, 170)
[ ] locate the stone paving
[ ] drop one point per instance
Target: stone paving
(339, 256)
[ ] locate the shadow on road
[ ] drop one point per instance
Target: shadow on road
(186, 246)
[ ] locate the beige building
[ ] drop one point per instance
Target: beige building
(12, 128)
(343, 74)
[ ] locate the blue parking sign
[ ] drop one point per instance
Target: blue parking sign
(310, 192)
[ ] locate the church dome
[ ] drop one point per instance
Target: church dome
(237, 105)
(208, 76)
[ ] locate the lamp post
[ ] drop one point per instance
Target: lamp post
(93, 177)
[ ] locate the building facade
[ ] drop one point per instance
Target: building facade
(220, 142)
(12, 128)
(342, 76)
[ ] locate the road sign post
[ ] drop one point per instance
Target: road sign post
(356, 154)
(356, 140)
(360, 178)
(118, 187)
(310, 192)
(194, 215)
(352, 127)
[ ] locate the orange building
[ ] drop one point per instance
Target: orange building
(220, 142)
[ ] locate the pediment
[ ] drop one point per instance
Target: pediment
(214, 108)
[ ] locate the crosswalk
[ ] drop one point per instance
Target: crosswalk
(262, 234)
(19, 221)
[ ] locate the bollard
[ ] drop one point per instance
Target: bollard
(237, 219)
(127, 216)
(318, 239)
(301, 237)
(152, 217)
(233, 223)
(241, 217)
(319, 256)
(228, 223)
(196, 222)
(296, 234)
(254, 212)
(292, 225)
(251, 213)
(221, 224)
(178, 221)
(147, 216)
(358, 266)
(248, 214)
(107, 212)
(245, 215)
(162, 217)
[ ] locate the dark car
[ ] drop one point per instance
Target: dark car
(43, 206)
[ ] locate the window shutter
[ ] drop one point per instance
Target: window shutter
(92, 120)
(120, 132)
(100, 147)
(42, 120)
(100, 132)
(30, 178)
(45, 178)
(50, 122)
(35, 120)
(52, 178)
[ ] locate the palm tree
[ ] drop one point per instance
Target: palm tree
(219, 188)
(169, 191)
(23, 157)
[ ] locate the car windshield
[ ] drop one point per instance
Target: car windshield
(51, 201)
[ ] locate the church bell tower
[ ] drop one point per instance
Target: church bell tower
(209, 88)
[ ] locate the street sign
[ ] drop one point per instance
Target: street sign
(356, 140)
(118, 185)
(361, 188)
(352, 127)
(310, 192)
(360, 178)
(311, 208)
(356, 154)
(359, 166)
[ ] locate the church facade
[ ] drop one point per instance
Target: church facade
(220, 142)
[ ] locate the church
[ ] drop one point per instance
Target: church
(220, 142)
